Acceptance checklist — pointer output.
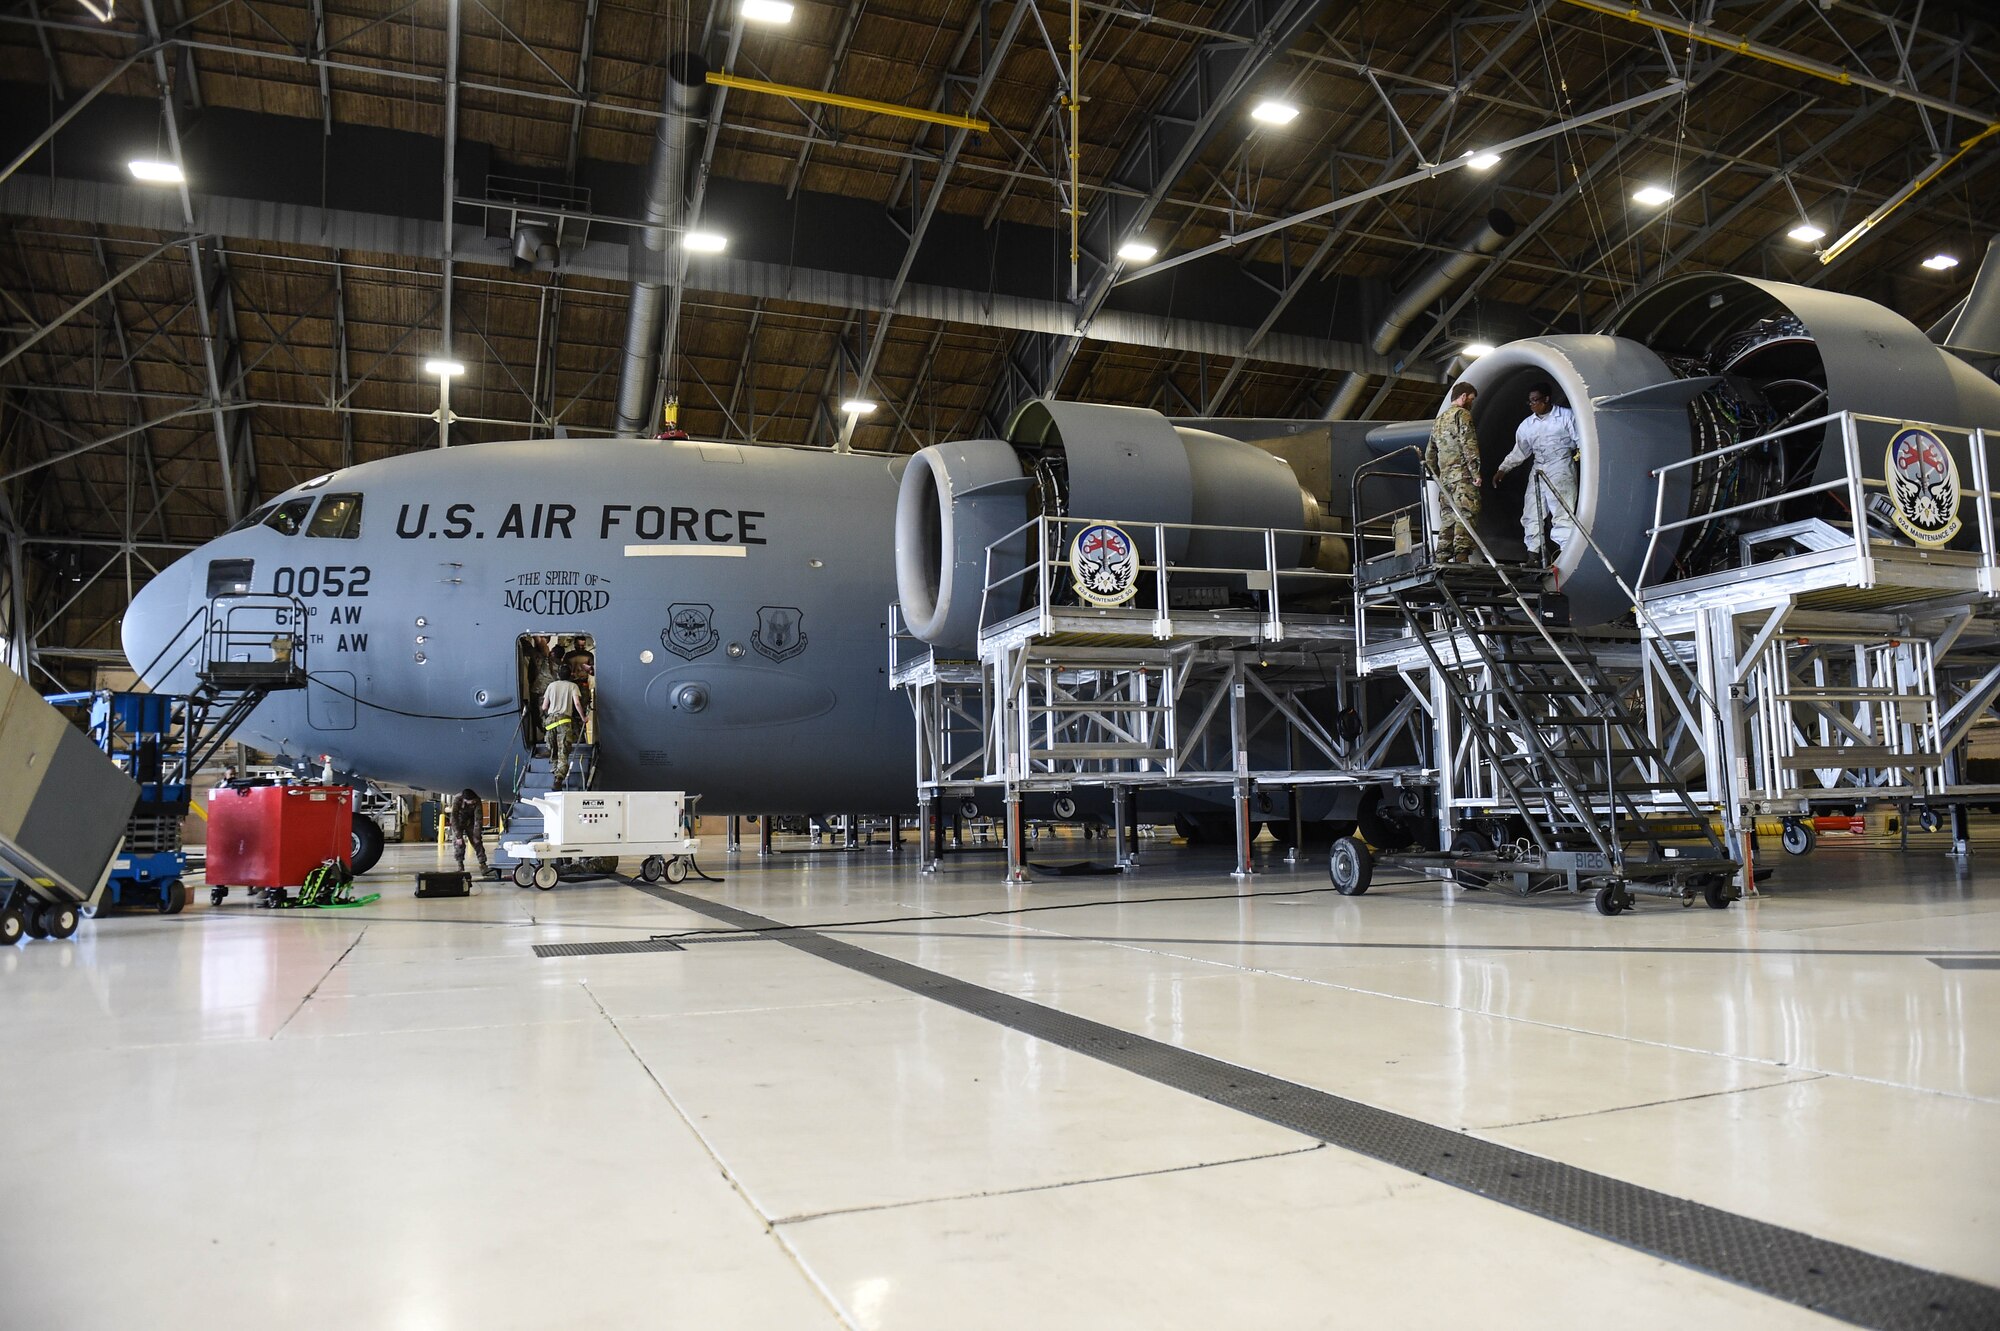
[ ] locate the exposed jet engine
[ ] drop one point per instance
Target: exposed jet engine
(1061, 459)
(1694, 365)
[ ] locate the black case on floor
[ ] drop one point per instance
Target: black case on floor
(437, 884)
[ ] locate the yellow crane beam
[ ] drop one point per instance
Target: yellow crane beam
(868, 104)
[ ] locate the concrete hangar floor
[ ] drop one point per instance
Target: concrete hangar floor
(1156, 1101)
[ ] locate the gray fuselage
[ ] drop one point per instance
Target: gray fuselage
(737, 598)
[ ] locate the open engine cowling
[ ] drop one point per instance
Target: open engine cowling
(1126, 465)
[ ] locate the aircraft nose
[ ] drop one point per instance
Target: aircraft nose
(157, 614)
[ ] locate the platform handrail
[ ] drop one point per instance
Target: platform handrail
(1854, 480)
(1049, 543)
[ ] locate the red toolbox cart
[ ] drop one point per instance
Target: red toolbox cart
(269, 837)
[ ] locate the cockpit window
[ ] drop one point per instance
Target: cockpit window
(338, 515)
(254, 518)
(290, 517)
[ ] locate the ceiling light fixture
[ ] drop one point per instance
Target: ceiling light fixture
(1475, 350)
(1138, 251)
(444, 369)
(154, 172)
(1482, 161)
(1937, 263)
(1806, 233)
(704, 242)
(766, 11)
(857, 406)
(1652, 196)
(1273, 112)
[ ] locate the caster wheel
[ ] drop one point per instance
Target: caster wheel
(546, 876)
(1718, 894)
(13, 927)
(653, 868)
(173, 897)
(1611, 899)
(216, 894)
(37, 927)
(677, 869)
(1928, 819)
(1064, 807)
(1800, 838)
(1351, 865)
(60, 921)
(524, 874)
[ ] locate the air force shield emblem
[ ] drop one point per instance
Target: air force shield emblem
(690, 630)
(780, 632)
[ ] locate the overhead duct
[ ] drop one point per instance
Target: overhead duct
(666, 192)
(1432, 285)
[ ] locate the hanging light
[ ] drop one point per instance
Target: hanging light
(154, 172)
(1652, 195)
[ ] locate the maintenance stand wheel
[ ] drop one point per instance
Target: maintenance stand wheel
(677, 868)
(546, 876)
(1928, 819)
(1800, 838)
(1470, 841)
(1718, 893)
(1611, 899)
(524, 874)
(13, 927)
(32, 917)
(173, 897)
(216, 894)
(1351, 866)
(653, 868)
(60, 921)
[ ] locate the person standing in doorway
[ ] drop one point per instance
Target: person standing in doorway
(1547, 440)
(1453, 457)
(466, 816)
(562, 720)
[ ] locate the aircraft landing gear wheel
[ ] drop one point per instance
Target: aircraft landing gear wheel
(173, 897)
(1611, 899)
(653, 869)
(366, 847)
(13, 927)
(1351, 866)
(60, 921)
(1800, 838)
(524, 874)
(677, 869)
(546, 876)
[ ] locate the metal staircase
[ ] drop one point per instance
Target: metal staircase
(532, 775)
(1584, 797)
(241, 650)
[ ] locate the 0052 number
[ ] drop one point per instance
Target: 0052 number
(333, 580)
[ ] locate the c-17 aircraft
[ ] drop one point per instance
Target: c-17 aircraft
(736, 597)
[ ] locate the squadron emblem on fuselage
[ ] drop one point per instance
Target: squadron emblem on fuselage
(690, 630)
(780, 632)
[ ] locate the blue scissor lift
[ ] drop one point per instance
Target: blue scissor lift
(148, 736)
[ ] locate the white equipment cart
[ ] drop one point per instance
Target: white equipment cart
(596, 825)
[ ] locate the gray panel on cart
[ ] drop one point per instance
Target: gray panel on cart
(66, 804)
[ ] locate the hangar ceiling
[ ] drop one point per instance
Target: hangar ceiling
(170, 354)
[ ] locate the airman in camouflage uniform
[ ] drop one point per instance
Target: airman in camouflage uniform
(1453, 457)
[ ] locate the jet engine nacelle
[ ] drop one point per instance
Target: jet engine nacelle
(1071, 459)
(1694, 364)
